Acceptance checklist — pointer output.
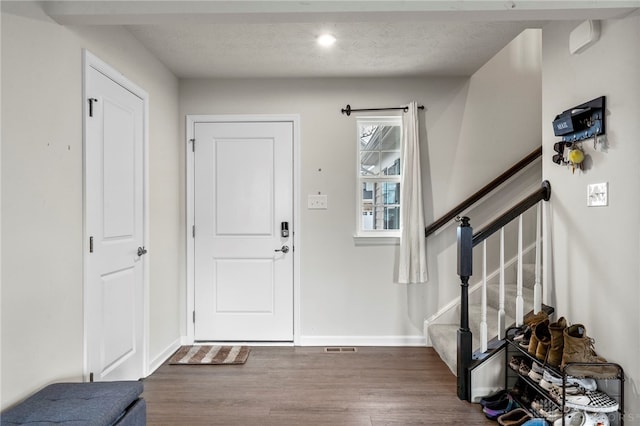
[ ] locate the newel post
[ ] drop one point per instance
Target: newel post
(465, 261)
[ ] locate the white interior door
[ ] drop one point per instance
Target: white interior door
(243, 184)
(114, 226)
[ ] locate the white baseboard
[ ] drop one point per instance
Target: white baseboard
(362, 341)
(164, 355)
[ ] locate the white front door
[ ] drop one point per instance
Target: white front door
(243, 184)
(114, 228)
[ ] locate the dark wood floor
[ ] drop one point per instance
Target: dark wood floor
(306, 386)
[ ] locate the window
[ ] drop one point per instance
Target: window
(379, 140)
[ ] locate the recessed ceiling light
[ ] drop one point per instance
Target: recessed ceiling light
(326, 40)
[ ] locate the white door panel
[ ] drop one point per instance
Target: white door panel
(243, 182)
(114, 204)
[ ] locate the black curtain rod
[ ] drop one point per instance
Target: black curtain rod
(348, 110)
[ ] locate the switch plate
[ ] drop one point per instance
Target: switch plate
(598, 194)
(317, 202)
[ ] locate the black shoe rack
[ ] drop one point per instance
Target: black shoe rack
(525, 390)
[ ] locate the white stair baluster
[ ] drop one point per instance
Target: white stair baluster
(501, 311)
(537, 287)
(519, 298)
(483, 320)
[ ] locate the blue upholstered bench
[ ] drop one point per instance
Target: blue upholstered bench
(95, 404)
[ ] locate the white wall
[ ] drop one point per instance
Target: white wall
(498, 116)
(42, 302)
(348, 291)
(596, 251)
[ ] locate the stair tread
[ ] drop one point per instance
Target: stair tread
(444, 336)
(509, 298)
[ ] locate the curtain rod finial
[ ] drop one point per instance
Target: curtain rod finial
(347, 110)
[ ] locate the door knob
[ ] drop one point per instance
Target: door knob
(284, 249)
(141, 251)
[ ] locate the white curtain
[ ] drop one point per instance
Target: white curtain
(413, 254)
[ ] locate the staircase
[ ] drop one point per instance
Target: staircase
(443, 336)
(497, 307)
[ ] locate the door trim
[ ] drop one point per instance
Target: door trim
(92, 61)
(190, 219)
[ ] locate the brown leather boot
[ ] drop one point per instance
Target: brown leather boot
(531, 320)
(579, 348)
(533, 341)
(556, 329)
(544, 340)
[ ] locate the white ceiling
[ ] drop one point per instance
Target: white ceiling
(362, 48)
(220, 39)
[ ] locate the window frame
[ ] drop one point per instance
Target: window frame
(376, 236)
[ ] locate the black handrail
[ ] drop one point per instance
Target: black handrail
(482, 192)
(543, 193)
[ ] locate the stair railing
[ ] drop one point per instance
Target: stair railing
(467, 240)
(482, 192)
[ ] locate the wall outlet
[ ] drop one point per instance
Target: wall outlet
(317, 202)
(597, 194)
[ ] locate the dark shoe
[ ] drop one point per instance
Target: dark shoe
(504, 407)
(514, 417)
(494, 398)
(523, 337)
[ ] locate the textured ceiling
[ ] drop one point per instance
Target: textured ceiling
(276, 38)
(362, 49)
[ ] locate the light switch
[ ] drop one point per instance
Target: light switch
(317, 202)
(597, 194)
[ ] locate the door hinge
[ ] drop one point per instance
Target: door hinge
(90, 244)
(193, 231)
(194, 317)
(91, 101)
(193, 144)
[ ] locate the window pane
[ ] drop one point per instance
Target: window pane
(390, 138)
(390, 192)
(369, 163)
(379, 206)
(392, 217)
(367, 192)
(367, 217)
(390, 163)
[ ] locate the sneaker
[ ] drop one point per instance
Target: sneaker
(551, 377)
(575, 418)
(536, 372)
(551, 415)
(546, 385)
(515, 362)
(556, 392)
(586, 383)
(592, 401)
(524, 369)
